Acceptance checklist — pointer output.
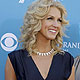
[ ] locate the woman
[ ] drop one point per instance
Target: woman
(41, 57)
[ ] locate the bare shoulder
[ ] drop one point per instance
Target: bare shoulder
(72, 76)
(9, 71)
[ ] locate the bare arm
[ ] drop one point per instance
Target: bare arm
(72, 76)
(9, 71)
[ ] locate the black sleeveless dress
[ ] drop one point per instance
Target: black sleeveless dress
(25, 68)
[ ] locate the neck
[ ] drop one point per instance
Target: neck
(43, 44)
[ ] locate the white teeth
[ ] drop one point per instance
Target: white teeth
(52, 30)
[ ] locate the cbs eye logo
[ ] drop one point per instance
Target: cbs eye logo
(9, 42)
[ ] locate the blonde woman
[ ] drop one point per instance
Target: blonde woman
(41, 35)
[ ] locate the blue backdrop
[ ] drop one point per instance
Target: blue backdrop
(11, 19)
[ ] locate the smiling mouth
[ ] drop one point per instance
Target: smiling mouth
(53, 31)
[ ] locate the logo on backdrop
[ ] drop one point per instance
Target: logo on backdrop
(70, 45)
(21, 1)
(58, 0)
(9, 42)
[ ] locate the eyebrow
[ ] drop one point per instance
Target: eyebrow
(53, 16)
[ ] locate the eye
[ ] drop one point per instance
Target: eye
(9, 42)
(60, 20)
(50, 18)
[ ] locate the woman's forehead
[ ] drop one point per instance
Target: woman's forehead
(55, 12)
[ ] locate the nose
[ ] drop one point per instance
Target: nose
(55, 23)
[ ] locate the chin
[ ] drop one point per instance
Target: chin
(51, 38)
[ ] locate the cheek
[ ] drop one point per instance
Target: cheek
(46, 23)
(59, 28)
(44, 26)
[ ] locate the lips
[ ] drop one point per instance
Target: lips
(52, 30)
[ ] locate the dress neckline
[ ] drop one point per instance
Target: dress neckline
(38, 68)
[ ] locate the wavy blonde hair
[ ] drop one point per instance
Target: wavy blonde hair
(32, 24)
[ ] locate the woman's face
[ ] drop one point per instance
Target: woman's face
(51, 24)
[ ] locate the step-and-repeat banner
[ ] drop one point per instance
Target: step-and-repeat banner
(11, 19)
